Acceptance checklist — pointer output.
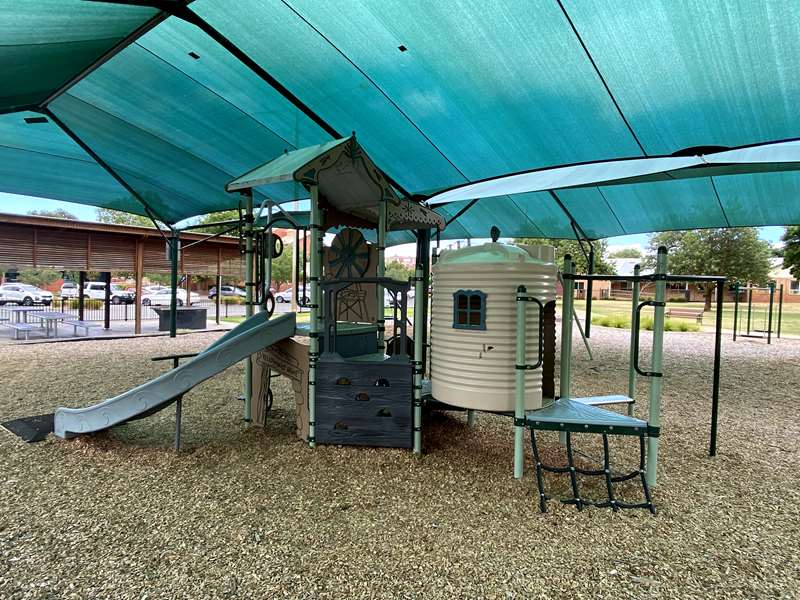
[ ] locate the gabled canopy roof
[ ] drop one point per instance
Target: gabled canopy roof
(347, 180)
(440, 94)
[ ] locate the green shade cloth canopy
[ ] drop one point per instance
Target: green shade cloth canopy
(439, 94)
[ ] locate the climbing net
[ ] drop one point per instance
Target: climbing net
(605, 472)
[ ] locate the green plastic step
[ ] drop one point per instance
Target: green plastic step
(567, 414)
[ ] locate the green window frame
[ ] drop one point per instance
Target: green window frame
(469, 310)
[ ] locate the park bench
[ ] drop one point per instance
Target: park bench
(685, 313)
(19, 328)
(85, 325)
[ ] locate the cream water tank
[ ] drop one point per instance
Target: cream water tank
(473, 323)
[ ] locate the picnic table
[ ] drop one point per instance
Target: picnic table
(50, 318)
(21, 312)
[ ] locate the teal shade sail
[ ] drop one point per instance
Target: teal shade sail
(438, 94)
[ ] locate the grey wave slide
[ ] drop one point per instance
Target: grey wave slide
(247, 338)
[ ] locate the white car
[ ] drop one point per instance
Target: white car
(286, 296)
(96, 290)
(69, 289)
(160, 295)
(47, 297)
(23, 294)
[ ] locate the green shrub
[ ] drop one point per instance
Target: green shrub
(646, 323)
(678, 299)
(88, 303)
(232, 300)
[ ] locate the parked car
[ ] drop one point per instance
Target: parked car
(96, 290)
(69, 289)
(286, 296)
(226, 290)
(160, 295)
(47, 297)
(20, 293)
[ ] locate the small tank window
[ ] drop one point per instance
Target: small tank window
(469, 309)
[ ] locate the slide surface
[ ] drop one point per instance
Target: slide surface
(250, 336)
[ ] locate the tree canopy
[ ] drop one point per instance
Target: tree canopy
(573, 248)
(626, 253)
(737, 253)
(58, 213)
(791, 250)
(398, 271)
(116, 217)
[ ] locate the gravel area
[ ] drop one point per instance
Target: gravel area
(250, 513)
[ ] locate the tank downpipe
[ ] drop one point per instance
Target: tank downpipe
(419, 329)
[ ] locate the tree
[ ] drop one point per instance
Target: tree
(116, 217)
(218, 217)
(736, 253)
(398, 271)
(626, 253)
(791, 250)
(38, 277)
(58, 213)
(573, 248)
(282, 266)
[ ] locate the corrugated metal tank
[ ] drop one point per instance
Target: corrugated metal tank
(473, 368)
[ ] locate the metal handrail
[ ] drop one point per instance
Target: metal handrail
(635, 333)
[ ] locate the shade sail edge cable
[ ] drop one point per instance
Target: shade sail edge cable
(613, 212)
(719, 200)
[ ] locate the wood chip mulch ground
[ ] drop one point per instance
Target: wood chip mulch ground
(252, 513)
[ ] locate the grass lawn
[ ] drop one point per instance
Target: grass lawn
(790, 322)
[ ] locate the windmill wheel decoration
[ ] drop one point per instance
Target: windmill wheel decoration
(350, 255)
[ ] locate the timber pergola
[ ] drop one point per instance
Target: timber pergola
(28, 241)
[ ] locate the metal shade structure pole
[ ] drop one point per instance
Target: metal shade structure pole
(712, 450)
(654, 417)
(780, 309)
(249, 285)
(631, 366)
(567, 308)
(735, 308)
(315, 226)
(587, 327)
(174, 249)
(771, 305)
(107, 301)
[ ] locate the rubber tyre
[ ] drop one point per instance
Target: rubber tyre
(46, 302)
(279, 299)
(116, 300)
(179, 302)
(146, 302)
(27, 301)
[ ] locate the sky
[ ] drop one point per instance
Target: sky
(11, 203)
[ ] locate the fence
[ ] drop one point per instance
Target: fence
(94, 310)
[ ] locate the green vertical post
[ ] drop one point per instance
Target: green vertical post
(315, 268)
(419, 329)
(380, 272)
(780, 309)
(654, 417)
(248, 309)
(267, 270)
(567, 308)
(771, 305)
(566, 328)
(749, 305)
(735, 308)
(519, 385)
(631, 370)
(589, 291)
(174, 249)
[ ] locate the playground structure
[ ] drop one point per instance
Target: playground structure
(752, 315)
(491, 345)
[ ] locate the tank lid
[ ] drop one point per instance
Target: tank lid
(495, 252)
